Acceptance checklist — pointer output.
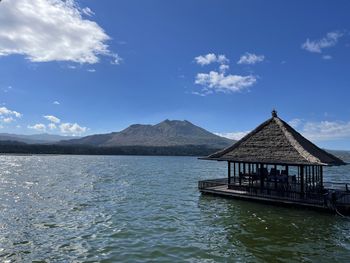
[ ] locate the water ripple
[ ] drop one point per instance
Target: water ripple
(137, 209)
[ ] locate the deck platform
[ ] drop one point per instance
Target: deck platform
(315, 201)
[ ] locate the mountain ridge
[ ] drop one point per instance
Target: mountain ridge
(163, 134)
(42, 138)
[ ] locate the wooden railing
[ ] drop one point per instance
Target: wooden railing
(329, 198)
(280, 194)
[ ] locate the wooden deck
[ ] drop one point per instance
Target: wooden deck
(313, 200)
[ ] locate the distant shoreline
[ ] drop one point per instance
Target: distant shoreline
(55, 149)
(23, 149)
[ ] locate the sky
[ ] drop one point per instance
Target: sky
(88, 66)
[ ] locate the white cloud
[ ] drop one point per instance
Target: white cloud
(52, 118)
(91, 70)
(211, 58)
(7, 89)
(224, 83)
(224, 68)
(250, 58)
(322, 130)
(205, 59)
(220, 80)
(316, 46)
(116, 59)
(222, 59)
(295, 123)
(8, 120)
(38, 127)
(6, 112)
(72, 128)
(51, 30)
(314, 131)
(327, 57)
(233, 135)
(326, 130)
(87, 11)
(52, 126)
(56, 102)
(203, 93)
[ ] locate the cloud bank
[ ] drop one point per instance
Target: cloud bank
(52, 30)
(220, 80)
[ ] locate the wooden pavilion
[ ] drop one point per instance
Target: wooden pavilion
(274, 163)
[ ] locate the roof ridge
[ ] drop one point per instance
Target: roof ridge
(296, 145)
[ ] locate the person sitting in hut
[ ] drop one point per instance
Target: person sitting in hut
(263, 172)
(255, 176)
(284, 176)
(273, 175)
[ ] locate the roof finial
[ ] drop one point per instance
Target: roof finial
(274, 113)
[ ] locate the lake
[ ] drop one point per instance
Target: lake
(148, 209)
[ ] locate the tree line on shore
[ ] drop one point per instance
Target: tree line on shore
(13, 147)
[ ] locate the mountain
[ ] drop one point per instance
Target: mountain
(164, 134)
(43, 138)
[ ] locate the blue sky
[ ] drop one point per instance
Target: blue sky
(223, 65)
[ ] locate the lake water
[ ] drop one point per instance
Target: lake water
(148, 209)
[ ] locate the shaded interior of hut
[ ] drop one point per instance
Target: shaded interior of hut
(300, 178)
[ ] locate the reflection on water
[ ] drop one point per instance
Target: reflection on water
(130, 209)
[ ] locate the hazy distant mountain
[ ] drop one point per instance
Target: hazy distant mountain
(34, 138)
(166, 133)
(344, 155)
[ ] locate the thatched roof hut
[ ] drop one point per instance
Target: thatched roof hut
(276, 142)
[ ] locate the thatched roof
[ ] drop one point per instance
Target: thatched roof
(275, 142)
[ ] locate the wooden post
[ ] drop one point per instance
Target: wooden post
(275, 176)
(261, 176)
(302, 180)
(234, 172)
(313, 178)
(321, 174)
(298, 179)
(249, 176)
(239, 174)
(228, 173)
(309, 175)
(306, 181)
